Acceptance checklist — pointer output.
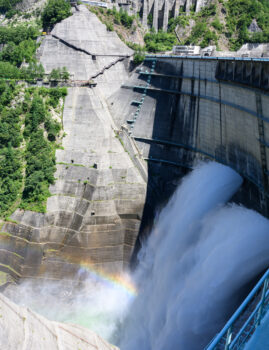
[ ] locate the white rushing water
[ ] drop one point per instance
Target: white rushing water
(192, 269)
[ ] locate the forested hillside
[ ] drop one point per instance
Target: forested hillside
(30, 117)
(29, 136)
(228, 24)
(225, 23)
(8, 5)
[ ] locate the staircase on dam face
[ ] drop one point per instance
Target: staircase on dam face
(245, 322)
(131, 122)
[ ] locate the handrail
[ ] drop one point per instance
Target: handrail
(246, 323)
(227, 328)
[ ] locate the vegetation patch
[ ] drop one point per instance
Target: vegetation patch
(54, 12)
(139, 57)
(29, 137)
(161, 41)
(40, 133)
(223, 22)
(240, 14)
(19, 46)
(111, 17)
(8, 5)
(30, 118)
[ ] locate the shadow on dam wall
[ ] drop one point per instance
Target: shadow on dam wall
(193, 110)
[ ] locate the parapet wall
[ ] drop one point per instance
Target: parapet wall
(184, 109)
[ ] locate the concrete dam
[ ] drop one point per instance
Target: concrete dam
(129, 142)
(182, 109)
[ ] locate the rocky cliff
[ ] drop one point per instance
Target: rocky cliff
(27, 5)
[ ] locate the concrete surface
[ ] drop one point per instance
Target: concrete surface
(96, 47)
(188, 114)
(94, 214)
(23, 329)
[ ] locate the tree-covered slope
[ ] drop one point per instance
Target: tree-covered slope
(7, 5)
(30, 117)
(225, 23)
(29, 136)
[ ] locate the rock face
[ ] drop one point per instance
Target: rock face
(254, 27)
(21, 328)
(254, 50)
(94, 214)
(26, 5)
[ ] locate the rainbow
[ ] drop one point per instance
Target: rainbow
(120, 281)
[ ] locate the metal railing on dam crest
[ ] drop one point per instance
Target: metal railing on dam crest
(244, 322)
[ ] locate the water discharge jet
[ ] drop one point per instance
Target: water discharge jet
(193, 270)
(199, 257)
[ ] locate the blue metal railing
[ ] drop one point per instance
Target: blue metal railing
(245, 320)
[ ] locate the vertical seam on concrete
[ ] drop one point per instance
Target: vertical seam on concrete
(262, 147)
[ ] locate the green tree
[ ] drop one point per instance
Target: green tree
(150, 19)
(139, 57)
(18, 34)
(65, 74)
(35, 117)
(34, 71)
(11, 53)
(161, 41)
(10, 177)
(54, 12)
(55, 74)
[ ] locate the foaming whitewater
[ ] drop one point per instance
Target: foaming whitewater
(196, 264)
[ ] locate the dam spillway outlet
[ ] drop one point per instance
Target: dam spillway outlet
(196, 264)
(192, 271)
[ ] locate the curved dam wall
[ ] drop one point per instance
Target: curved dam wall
(182, 110)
